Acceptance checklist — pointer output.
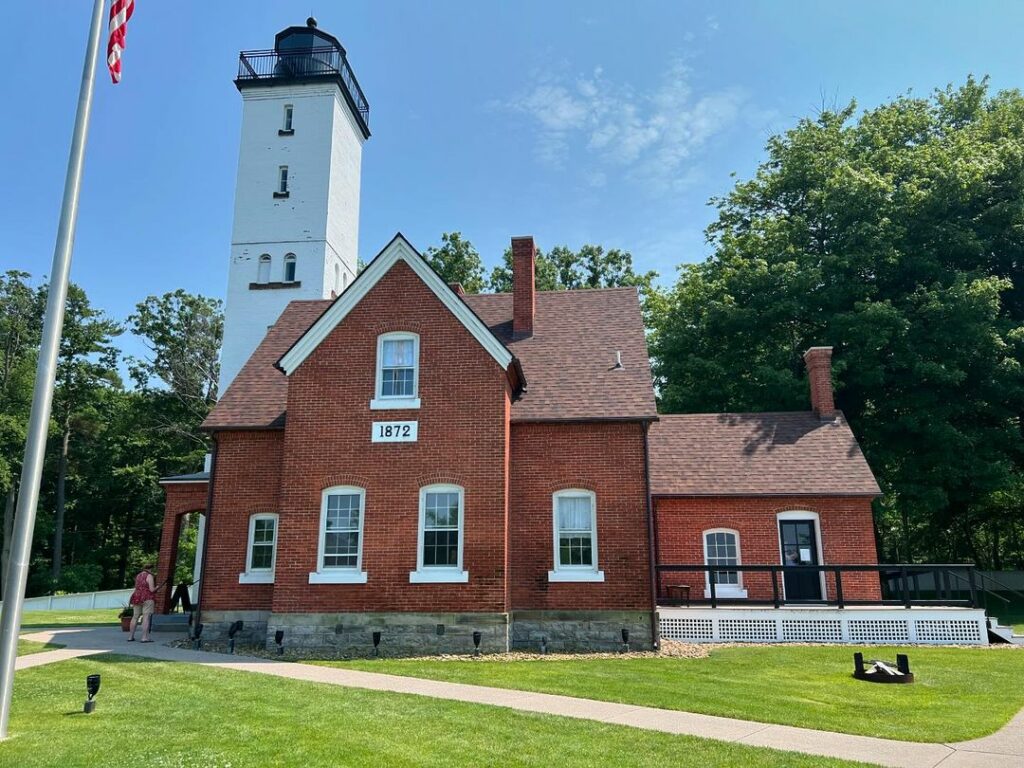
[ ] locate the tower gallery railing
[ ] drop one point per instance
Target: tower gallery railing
(304, 63)
(900, 584)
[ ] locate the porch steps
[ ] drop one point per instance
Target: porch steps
(170, 622)
(1000, 633)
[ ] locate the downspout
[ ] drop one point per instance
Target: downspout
(652, 550)
(206, 537)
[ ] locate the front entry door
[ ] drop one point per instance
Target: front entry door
(800, 547)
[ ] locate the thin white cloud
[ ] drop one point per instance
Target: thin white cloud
(649, 138)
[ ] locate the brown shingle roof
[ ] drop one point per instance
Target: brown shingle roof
(568, 362)
(741, 454)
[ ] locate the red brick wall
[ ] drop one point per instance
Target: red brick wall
(179, 500)
(462, 439)
(846, 532)
(607, 459)
(246, 481)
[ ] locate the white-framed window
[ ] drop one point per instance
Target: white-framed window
(263, 269)
(289, 268)
(398, 371)
(282, 180)
(440, 541)
(289, 112)
(722, 548)
(340, 550)
(575, 536)
(337, 279)
(261, 552)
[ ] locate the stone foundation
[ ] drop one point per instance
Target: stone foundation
(216, 623)
(574, 631)
(401, 634)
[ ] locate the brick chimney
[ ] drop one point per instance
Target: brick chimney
(524, 257)
(819, 376)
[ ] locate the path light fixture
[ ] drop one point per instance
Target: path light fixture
(197, 636)
(543, 645)
(279, 639)
(625, 640)
(376, 643)
(233, 630)
(92, 687)
(477, 637)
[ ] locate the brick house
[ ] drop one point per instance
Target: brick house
(410, 459)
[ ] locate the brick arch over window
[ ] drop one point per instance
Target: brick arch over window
(393, 326)
(579, 482)
(358, 481)
(440, 478)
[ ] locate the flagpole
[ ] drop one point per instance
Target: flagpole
(46, 371)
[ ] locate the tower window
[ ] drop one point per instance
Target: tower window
(289, 268)
(263, 273)
(288, 113)
(282, 182)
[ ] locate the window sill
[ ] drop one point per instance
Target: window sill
(255, 578)
(275, 285)
(577, 576)
(726, 594)
(394, 403)
(280, 195)
(339, 576)
(285, 131)
(438, 576)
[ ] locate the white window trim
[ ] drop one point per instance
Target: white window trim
(803, 514)
(262, 276)
(283, 177)
(290, 258)
(288, 123)
(574, 573)
(260, 575)
(379, 401)
(723, 590)
(434, 574)
(339, 574)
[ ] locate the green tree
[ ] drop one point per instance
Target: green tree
(457, 261)
(545, 273)
(896, 236)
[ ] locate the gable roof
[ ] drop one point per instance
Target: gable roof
(757, 454)
(399, 249)
(568, 362)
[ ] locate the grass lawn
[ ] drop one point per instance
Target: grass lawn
(960, 693)
(164, 715)
(25, 647)
(100, 617)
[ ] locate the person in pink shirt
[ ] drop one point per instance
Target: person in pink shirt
(143, 601)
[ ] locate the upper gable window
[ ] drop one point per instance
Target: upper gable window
(398, 362)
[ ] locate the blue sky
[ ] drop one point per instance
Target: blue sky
(611, 123)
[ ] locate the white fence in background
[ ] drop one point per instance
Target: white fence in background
(83, 601)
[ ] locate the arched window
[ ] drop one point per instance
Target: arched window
(261, 553)
(289, 268)
(340, 551)
(722, 548)
(439, 556)
(575, 536)
(337, 279)
(263, 272)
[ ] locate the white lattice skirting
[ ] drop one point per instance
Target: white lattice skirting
(933, 626)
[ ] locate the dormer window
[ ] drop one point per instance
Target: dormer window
(263, 270)
(286, 126)
(282, 181)
(398, 357)
(289, 268)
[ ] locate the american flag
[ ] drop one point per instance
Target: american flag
(120, 12)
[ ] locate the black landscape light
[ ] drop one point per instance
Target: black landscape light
(477, 637)
(543, 645)
(279, 639)
(92, 687)
(233, 630)
(625, 640)
(197, 636)
(376, 643)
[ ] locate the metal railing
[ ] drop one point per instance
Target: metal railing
(899, 584)
(304, 64)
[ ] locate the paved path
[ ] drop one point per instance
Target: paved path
(1004, 748)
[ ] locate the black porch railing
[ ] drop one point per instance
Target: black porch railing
(305, 64)
(901, 584)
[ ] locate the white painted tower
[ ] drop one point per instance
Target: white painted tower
(296, 226)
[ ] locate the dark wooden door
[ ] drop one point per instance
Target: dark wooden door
(800, 547)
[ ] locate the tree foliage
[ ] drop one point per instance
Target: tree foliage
(457, 261)
(896, 236)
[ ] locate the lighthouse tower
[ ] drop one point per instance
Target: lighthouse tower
(296, 225)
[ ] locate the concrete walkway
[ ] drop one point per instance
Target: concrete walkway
(1004, 748)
